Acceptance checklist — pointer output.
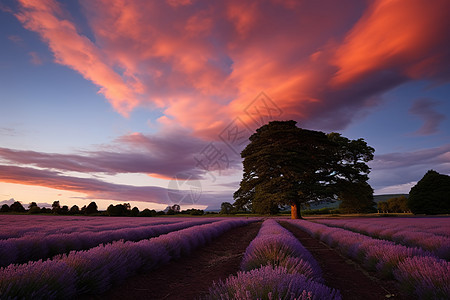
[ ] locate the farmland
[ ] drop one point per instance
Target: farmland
(54, 257)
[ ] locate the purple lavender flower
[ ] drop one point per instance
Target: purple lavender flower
(270, 283)
(96, 269)
(276, 246)
(424, 277)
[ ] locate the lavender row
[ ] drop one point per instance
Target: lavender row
(267, 283)
(276, 246)
(275, 266)
(94, 271)
(30, 248)
(13, 226)
(406, 234)
(419, 272)
(432, 225)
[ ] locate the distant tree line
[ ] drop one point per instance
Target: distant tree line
(394, 205)
(118, 210)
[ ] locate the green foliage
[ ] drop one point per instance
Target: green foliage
(226, 208)
(357, 197)
(321, 211)
(352, 174)
(431, 195)
(287, 165)
(394, 205)
(283, 165)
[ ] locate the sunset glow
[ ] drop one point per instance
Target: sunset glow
(113, 100)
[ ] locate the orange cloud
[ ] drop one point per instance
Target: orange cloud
(76, 51)
(392, 34)
(202, 63)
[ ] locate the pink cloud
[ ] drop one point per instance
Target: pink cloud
(202, 63)
(93, 188)
(164, 155)
(97, 189)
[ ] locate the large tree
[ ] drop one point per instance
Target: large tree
(352, 173)
(285, 165)
(431, 195)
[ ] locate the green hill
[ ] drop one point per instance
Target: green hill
(376, 198)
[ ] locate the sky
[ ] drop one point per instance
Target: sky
(151, 102)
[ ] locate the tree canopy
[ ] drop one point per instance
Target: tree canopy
(287, 165)
(431, 195)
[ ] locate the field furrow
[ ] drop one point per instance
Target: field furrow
(429, 280)
(95, 270)
(41, 246)
(410, 232)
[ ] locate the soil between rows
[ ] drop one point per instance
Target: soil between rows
(343, 274)
(189, 277)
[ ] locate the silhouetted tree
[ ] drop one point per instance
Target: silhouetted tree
(32, 204)
(147, 213)
(431, 195)
(91, 209)
(134, 212)
(176, 208)
(119, 210)
(45, 210)
(74, 210)
(17, 207)
(34, 210)
(4, 208)
(226, 208)
(56, 207)
(64, 210)
(285, 165)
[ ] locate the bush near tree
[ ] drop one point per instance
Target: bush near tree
(431, 195)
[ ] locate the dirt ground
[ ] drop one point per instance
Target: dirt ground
(191, 277)
(343, 274)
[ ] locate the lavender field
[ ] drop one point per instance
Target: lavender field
(55, 257)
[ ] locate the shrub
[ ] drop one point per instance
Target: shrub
(431, 195)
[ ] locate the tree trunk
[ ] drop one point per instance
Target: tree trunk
(295, 211)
